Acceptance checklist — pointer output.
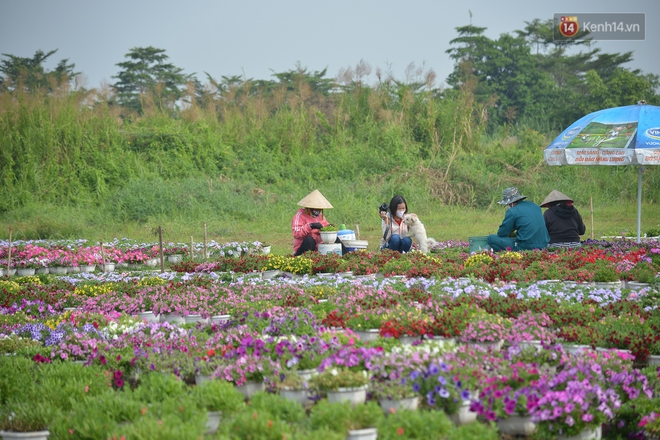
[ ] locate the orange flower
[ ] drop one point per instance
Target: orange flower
(269, 424)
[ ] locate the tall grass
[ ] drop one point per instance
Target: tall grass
(240, 162)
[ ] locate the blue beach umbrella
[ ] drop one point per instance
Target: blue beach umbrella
(628, 135)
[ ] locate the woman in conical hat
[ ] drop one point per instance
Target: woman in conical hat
(563, 220)
(307, 221)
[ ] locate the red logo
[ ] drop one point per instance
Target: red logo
(568, 26)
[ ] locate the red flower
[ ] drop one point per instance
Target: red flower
(210, 352)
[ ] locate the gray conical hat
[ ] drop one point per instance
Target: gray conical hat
(511, 195)
(555, 196)
(315, 200)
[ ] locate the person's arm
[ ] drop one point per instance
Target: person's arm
(581, 226)
(386, 230)
(507, 225)
(300, 226)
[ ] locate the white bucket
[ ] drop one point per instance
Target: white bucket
(334, 248)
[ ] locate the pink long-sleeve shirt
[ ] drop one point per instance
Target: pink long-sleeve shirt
(301, 229)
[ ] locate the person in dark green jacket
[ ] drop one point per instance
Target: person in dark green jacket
(525, 219)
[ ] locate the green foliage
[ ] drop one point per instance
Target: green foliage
(146, 80)
(219, 395)
(342, 417)
(29, 73)
(25, 416)
(415, 425)
(283, 409)
(156, 387)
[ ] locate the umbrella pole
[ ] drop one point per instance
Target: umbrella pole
(591, 205)
(639, 203)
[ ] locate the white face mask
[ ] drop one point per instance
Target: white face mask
(400, 214)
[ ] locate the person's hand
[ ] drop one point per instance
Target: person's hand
(315, 225)
(383, 215)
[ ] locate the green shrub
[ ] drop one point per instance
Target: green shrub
(415, 425)
(156, 387)
(218, 395)
(342, 416)
(283, 409)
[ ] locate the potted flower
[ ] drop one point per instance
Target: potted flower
(394, 395)
(292, 386)
(487, 330)
(342, 384)
(365, 324)
(217, 398)
(328, 234)
(359, 422)
(605, 275)
(18, 419)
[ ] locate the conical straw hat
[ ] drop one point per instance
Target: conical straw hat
(555, 196)
(315, 200)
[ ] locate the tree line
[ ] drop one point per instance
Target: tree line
(523, 78)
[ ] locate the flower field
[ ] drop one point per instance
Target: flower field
(566, 339)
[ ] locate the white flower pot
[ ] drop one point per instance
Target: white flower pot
(34, 435)
(58, 270)
(73, 269)
(25, 272)
(634, 285)
(363, 434)
(107, 267)
(148, 316)
(176, 258)
(516, 425)
(575, 348)
(300, 396)
(653, 359)
(531, 344)
(608, 284)
(368, 335)
(354, 395)
(172, 318)
(328, 237)
(193, 319)
(265, 250)
(41, 271)
(11, 272)
(134, 266)
(586, 434)
(369, 277)
(87, 268)
(2, 271)
(463, 416)
(269, 274)
(306, 375)
(152, 262)
(410, 403)
(201, 378)
(488, 345)
(408, 340)
(249, 388)
(213, 421)
(220, 319)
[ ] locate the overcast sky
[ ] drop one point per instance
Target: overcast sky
(256, 37)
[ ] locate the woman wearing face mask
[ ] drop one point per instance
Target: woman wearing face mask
(395, 231)
(307, 222)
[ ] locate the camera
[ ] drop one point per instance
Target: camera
(383, 207)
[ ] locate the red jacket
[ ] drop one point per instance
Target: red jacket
(301, 229)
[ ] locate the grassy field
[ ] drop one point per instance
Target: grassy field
(442, 223)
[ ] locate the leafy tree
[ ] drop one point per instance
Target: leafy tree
(147, 75)
(30, 74)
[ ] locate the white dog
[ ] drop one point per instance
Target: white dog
(417, 231)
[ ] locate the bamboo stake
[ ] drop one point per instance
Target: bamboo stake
(9, 254)
(102, 256)
(192, 249)
(591, 202)
(206, 253)
(162, 258)
(357, 230)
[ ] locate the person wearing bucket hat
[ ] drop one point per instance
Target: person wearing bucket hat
(307, 221)
(525, 219)
(563, 221)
